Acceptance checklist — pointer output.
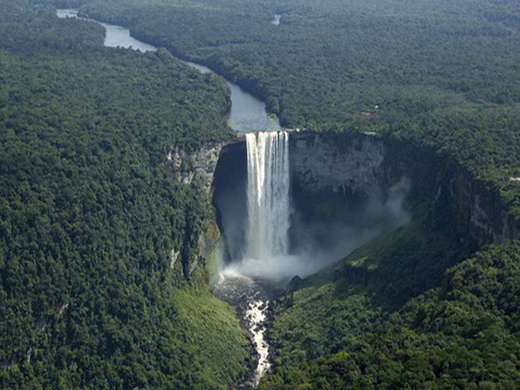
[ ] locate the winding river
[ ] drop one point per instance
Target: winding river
(247, 113)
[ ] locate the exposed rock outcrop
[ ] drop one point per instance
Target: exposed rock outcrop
(191, 166)
(199, 164)
(174, 255)
(360, 165)
(338, 163)
(363, 164)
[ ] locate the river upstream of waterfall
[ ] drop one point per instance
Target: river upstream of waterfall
(247, 112)
(268, 202)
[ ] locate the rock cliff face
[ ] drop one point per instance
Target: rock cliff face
(229, 196)
(337, 163)
(361, 165)
(326, 167)
(198, 165)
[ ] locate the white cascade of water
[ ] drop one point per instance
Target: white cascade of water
(268, 194)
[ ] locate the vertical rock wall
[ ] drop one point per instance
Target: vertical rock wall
(337, 163)
(361, 165)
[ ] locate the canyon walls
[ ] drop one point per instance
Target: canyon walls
(359, 165)
(355, 167)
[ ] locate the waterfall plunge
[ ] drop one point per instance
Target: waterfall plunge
(268, 195)
(267, 240)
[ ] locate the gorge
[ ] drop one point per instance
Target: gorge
(151, 237)
(364, 169)
(345, 190)
(292, 203)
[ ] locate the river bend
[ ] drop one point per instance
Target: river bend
(248, 114)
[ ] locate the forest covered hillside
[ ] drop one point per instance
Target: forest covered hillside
(462, 335)
(441, 75)
(91, 212)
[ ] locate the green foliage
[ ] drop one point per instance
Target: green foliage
(464, 335)
(90, 211)
(403, 311)
(357, 295)
(443, 74)
(318, 320)
(402, 264)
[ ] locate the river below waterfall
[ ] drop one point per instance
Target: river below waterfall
(247, 113)
(252, 303)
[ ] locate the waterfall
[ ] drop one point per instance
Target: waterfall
(268, 194)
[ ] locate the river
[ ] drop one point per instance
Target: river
(247, 113)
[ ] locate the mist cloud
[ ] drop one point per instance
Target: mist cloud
(320, 243)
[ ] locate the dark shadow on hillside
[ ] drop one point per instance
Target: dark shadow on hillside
(395, 267)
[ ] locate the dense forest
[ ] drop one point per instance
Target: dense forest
(441, 73)
(90, 208)
(462, 335)
(90, 212)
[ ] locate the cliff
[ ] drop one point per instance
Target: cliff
(360, 165)
(197, 165)
(201, 166)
